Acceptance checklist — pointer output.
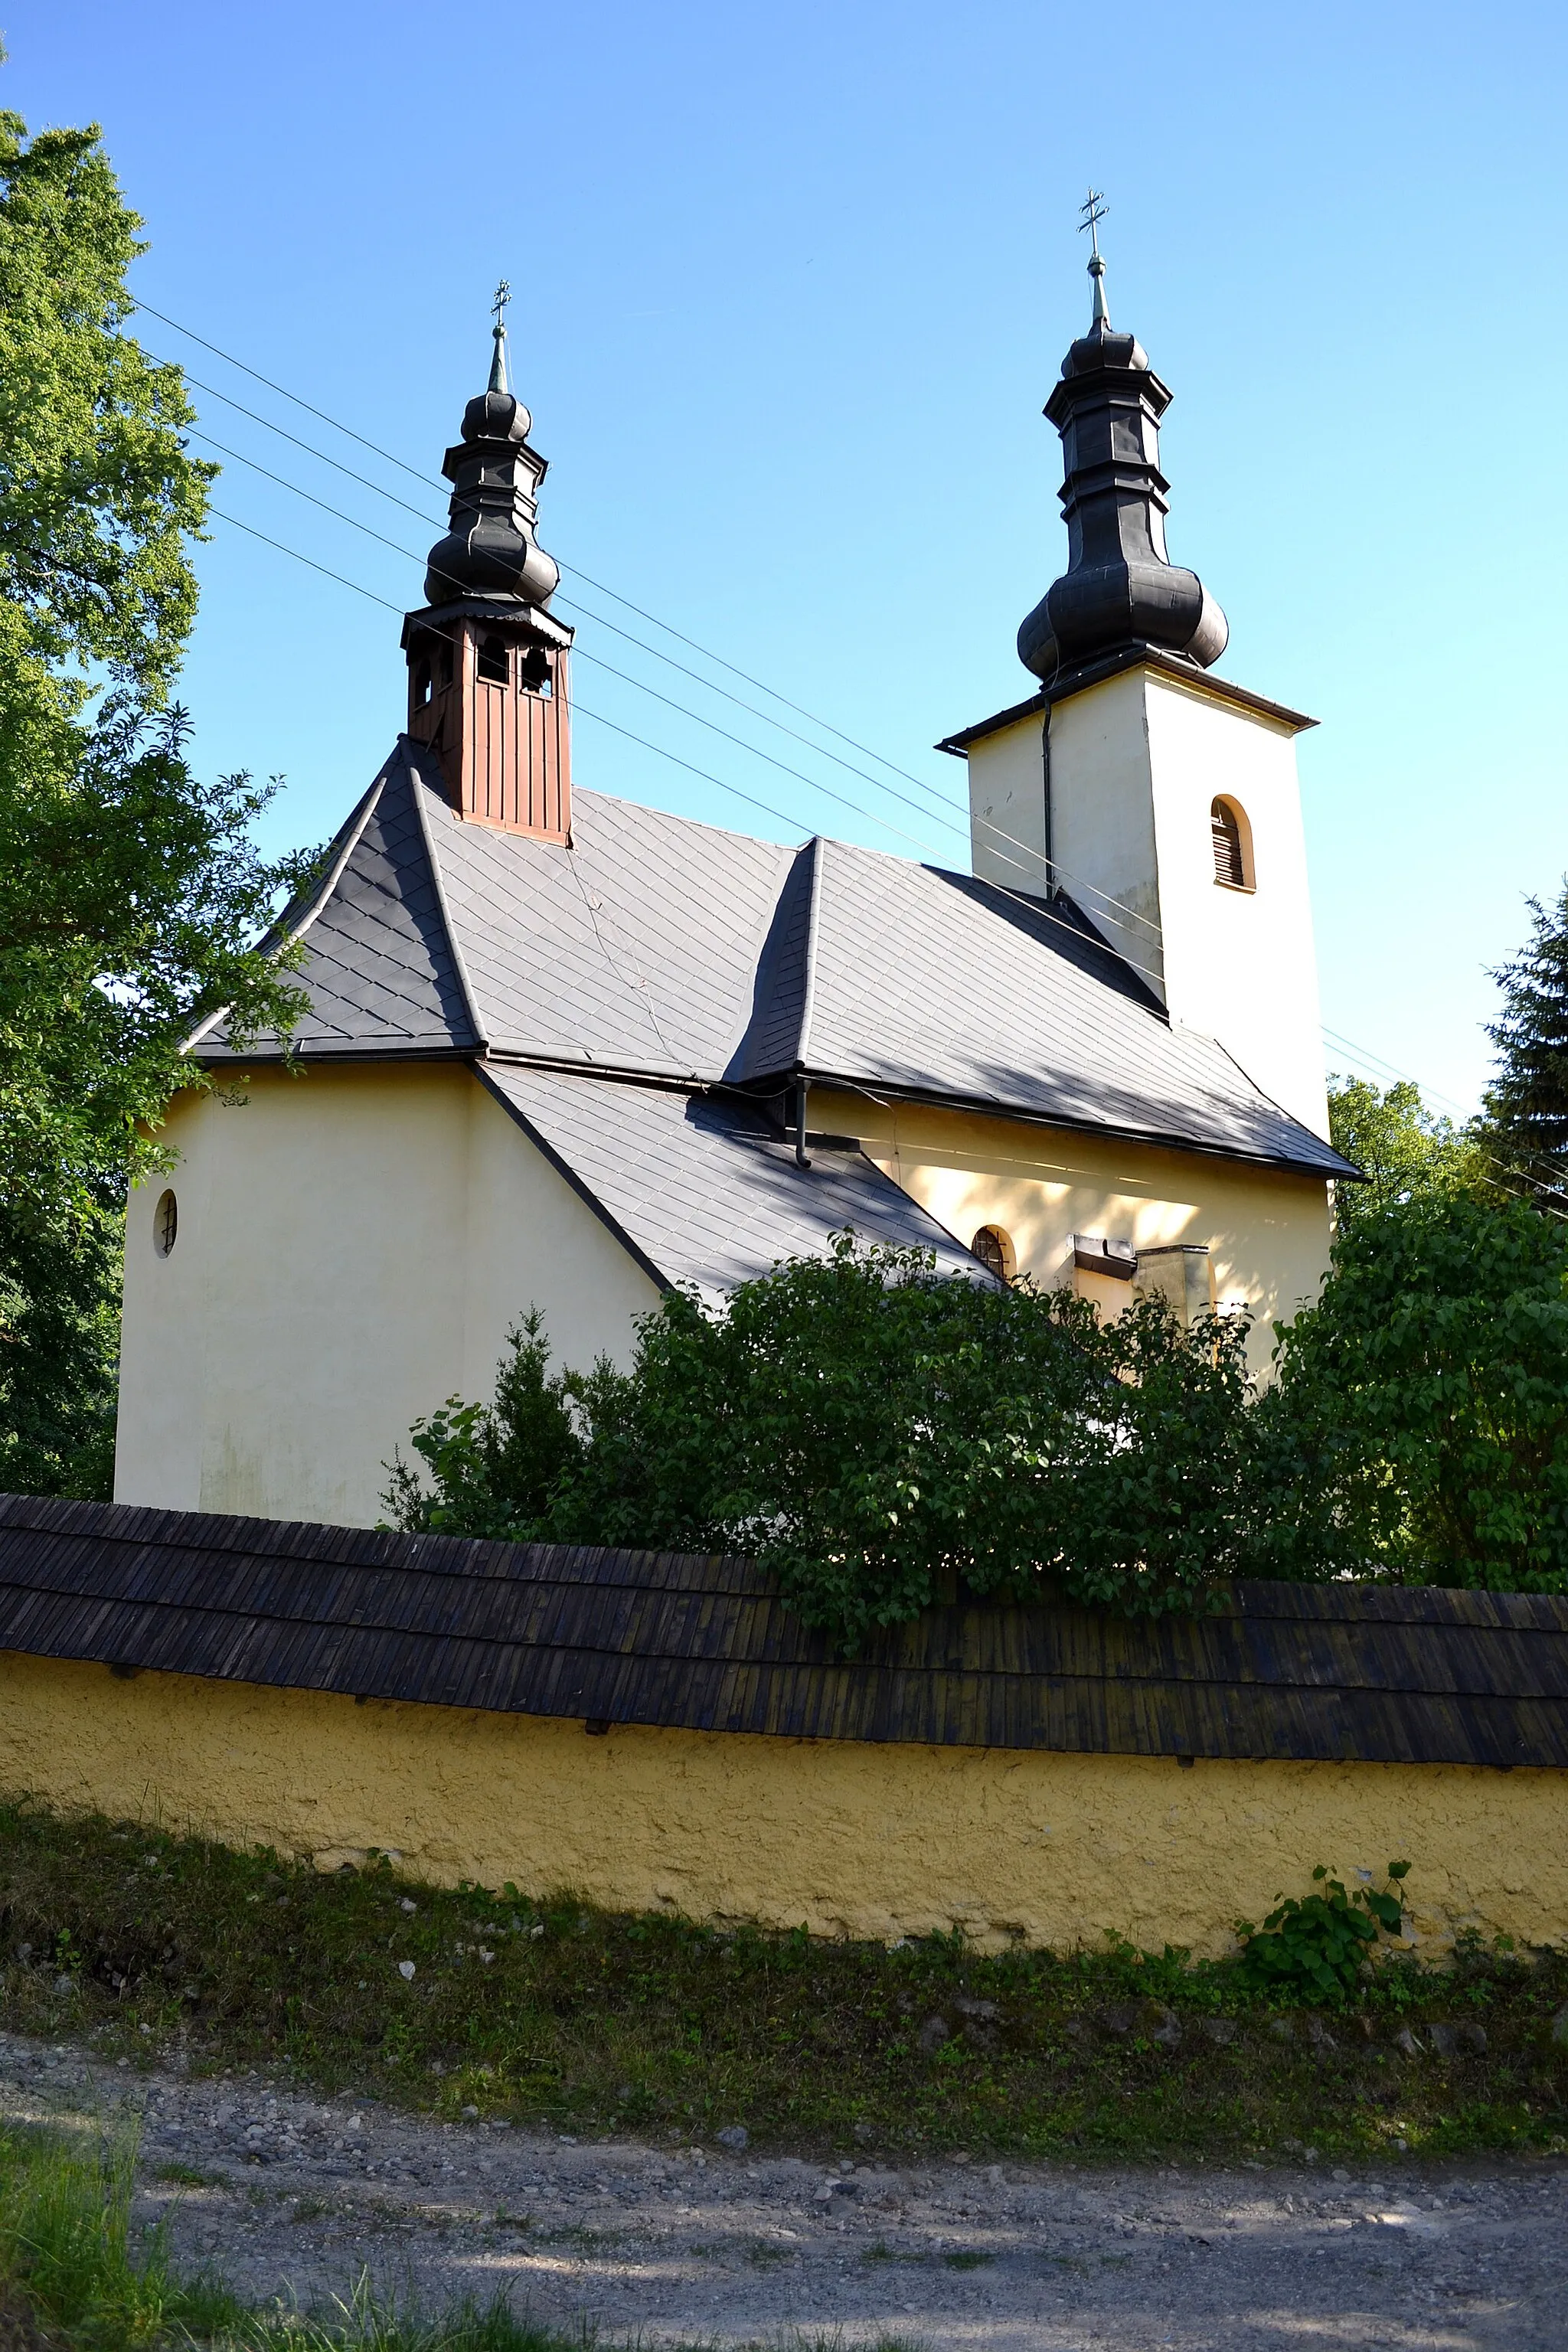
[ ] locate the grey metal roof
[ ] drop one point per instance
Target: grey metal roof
(1327, 1671)
(660, 947)
(379, 971)
(701, 1188)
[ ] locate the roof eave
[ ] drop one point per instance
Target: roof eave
(1089, 673)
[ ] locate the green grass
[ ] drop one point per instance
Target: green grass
(585, 2021)
(69, 2277)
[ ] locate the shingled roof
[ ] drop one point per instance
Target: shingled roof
(660, 949)
(1333, 1671)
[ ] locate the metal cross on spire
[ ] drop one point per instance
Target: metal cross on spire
(498, 312)
(1093, 213)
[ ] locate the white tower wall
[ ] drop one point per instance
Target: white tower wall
(1122, 805)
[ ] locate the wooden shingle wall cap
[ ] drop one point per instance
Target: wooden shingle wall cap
(1313, 1671)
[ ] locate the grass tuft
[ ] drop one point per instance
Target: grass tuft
(544, 2011)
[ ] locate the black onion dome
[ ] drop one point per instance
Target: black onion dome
(489, 549)
(1121, 589)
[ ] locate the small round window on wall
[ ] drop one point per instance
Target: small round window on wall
(1232, 838)
(165, 1223)
(993, 1248)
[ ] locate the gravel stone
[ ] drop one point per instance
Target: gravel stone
(655, 2246)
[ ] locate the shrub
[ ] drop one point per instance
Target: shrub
(878, 1435)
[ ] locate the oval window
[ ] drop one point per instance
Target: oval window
(993, 1248)
(165, 1223)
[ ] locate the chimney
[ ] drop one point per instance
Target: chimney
(487, 688)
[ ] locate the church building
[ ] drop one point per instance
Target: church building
(561, 1050)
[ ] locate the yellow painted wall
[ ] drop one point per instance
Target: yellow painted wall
(849, 1838)
(1267, 1232)
(353, 1245)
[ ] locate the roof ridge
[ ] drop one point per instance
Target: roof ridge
(454, 943)
(349, 834)
(814, 847)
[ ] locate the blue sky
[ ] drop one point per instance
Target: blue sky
(790, 287)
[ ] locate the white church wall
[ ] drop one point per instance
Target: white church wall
(1239, 964)
(1103, 836)
(1267, 1231)
(352, 1247)
(1136, 764)
(1007, 806)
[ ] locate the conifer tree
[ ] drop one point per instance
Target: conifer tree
(1528, 1101)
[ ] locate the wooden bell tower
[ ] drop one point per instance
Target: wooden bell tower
(486, 661)
(488, 693)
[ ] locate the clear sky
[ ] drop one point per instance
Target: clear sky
(790, 287)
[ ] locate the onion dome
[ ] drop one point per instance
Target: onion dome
(1121, 591)
(489, 549)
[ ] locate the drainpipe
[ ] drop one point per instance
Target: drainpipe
(802, 1089)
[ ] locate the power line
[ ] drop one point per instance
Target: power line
(583, 653)
(792, 819)
(1504, 1168)
(944, 802)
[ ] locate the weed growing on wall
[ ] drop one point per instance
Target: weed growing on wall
(1318, 1950)
(550, 2011)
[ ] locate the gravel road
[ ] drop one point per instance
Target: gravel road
(674, 2244)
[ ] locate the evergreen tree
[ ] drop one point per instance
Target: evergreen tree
(1528, 1101)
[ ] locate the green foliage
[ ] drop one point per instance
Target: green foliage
(1528, 1101)
(878, 1435)
(65, 2239)
(1420, 1425)
(66, 2245)
(1317, 1949)
(494, 1467)
(130, 894)
(1405, 1153)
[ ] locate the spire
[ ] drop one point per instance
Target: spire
(489, 549)
(497, 358)
(487, 691)
(1094, 212)
(1121, 594)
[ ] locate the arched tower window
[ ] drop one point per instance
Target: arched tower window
(993, 1248)
(1232, 845)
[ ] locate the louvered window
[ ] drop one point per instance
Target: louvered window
(1229, 850)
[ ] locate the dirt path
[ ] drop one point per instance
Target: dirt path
(673, 2244)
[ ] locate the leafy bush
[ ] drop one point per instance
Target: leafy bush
(1317, 1948)
(1420, 1425)
(878, 1435)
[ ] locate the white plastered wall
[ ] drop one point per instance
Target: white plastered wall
(1135, 766)
(1007, 806)
(353, 1245)
(1267, 1231)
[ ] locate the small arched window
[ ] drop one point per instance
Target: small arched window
(993, 1248)
(1232, 845)
(165, 1223)
(492, 660)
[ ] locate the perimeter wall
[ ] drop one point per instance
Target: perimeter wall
(859, 1838)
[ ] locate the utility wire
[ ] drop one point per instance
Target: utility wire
(944, 802)
(790, 818)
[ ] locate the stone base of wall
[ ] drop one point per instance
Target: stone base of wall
(849, 1838)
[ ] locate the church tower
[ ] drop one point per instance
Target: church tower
(1162, 799)
(486, 661)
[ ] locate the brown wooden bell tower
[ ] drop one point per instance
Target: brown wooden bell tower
(488, 692)
(486, 661)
